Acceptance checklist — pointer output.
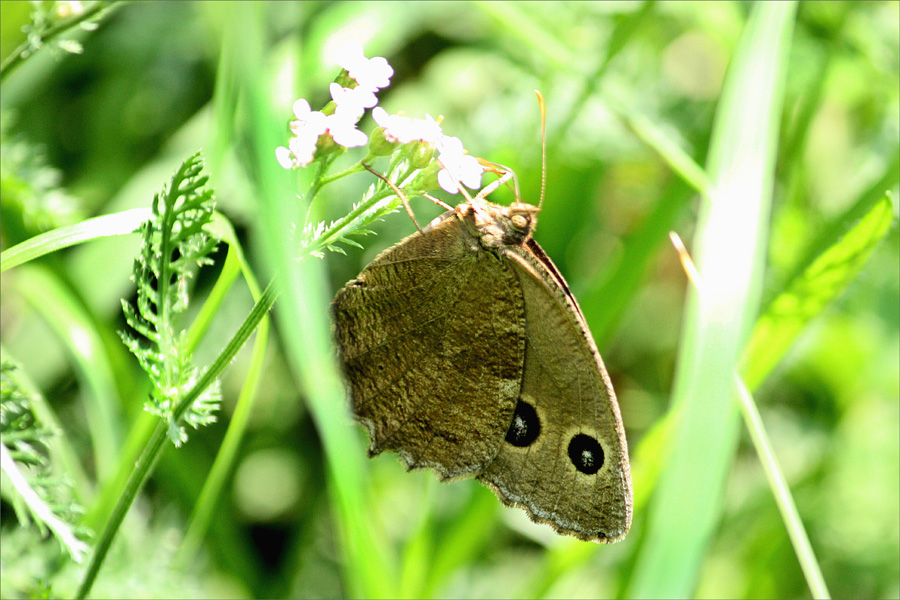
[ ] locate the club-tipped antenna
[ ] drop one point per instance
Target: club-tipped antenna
(543, 146)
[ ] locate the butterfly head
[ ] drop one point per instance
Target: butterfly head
(496, 225)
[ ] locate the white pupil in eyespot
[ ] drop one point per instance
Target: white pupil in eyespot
(587, 458)
(520, 426)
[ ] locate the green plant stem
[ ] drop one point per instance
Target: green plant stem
(135, 482)
(323, 181)
(149, 456)
(351, 221)
(21, 53)
(782, 493)
(226, 457)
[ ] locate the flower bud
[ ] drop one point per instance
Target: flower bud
(420, 154)
(379, 145)
(427, 179)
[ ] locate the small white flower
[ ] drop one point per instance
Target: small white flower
(303, 149)
(299, 153)
(284, 158)
(370, 73)
(399, 128)
(376, 75)
(306, 128)
(309, 122)
(457, 167)
(351, 55)
(355, 100)
(427, 129)
(301, 108)
(343, 130)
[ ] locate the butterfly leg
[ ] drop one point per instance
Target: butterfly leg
(507, 175)
(397, 191)
(438, 201)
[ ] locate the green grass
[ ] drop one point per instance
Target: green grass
(765, 134)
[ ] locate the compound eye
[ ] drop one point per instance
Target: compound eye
(519, 221)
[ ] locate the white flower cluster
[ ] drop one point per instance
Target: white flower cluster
(456, 166)
(350, 104)
(371, 75)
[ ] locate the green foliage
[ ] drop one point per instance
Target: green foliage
(173, 241)
(812, 290)
(39, 494)
(47, 21)
(646, 102)
(33, 198)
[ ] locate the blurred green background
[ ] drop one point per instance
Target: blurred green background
(98, 132)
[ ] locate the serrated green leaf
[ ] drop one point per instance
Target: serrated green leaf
(175, 240)
(809, 293)
(38, 495)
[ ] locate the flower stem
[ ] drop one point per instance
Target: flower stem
(27, 48)
(147, 460)
(356, 168)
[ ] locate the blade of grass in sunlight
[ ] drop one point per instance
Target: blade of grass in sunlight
(122, 223)
(728, 245)
(368, 565)
(774, 475)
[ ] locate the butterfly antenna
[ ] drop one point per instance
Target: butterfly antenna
(543, 146)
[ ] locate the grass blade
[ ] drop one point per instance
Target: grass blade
(368, 563)
(782, 493)
(728, 243)
(121, 223)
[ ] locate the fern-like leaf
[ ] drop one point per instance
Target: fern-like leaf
(37, 494)
(174, 242)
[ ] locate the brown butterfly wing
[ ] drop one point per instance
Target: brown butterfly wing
(432, 339)
(565, 458)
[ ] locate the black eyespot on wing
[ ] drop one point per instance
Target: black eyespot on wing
(525, 426)
(586, 453)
